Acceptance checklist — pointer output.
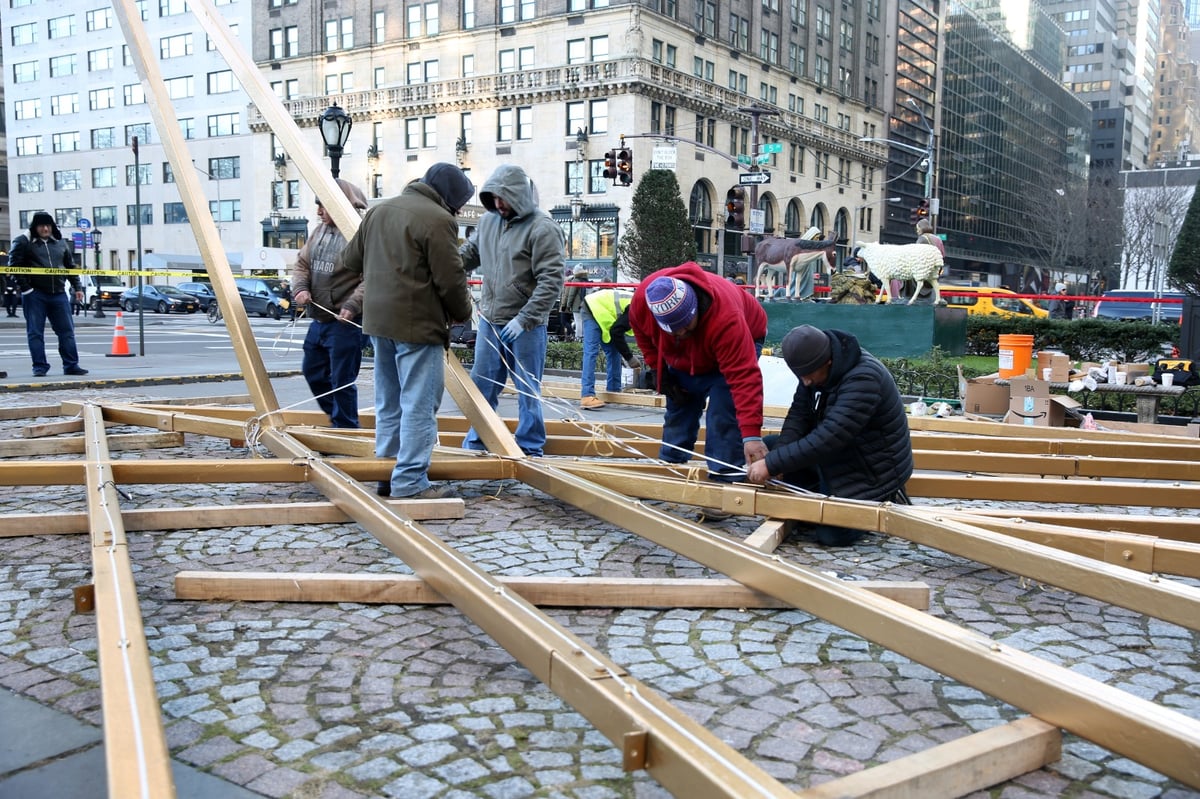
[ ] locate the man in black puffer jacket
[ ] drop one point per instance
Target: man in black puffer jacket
(846, 434)
(42, 295)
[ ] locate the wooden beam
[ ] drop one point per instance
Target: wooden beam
(126, 442)
(598, 592)
(957, 768)
(137, 758)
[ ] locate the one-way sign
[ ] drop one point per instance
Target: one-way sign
(749, 178)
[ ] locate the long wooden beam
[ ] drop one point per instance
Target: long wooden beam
(1162, 739)
(595, 592)
(137, 758)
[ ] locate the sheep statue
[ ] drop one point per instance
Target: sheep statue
(788, 262)
(896, 263)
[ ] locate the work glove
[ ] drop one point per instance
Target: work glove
(511, 331)
(672, 390)
(635, 362)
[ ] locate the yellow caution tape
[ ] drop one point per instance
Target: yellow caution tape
(28, 270)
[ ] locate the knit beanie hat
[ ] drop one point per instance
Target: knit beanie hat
(672, 302)
(451, 183)
(1060, 286)
(805, 349)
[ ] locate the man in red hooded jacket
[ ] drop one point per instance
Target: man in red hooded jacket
(702, 336)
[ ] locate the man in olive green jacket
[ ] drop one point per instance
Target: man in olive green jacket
(414, 288)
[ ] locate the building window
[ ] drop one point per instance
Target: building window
(821, 70)
(339, 34)
(67, 180)
(65, 142)
(103, 138)
(25, 72)
(169, 8)
(140, 175)
(739, 32)
(104, 216)
(25, 34)
(524, 123)
(61, 104)
(134, 94)
(61, 27)
(29, 145)
(99, 19)
(504, 125)
(706, 18)
(224, 125)
(221, 82)
(225, 210)
(422, 20)
(823, 23)
(27, 109)
(168, 174)
(139, 214)
(227, 168)
(174, 214)
(62, 66)
(175, 46)
(468, 14)
(100, 59)
(337, 84)
(187, 127)
(768, 47)
(285, 42)
(31, 182)
(141, 130)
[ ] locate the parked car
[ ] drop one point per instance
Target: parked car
(263, 296)
(989, 301)
(163, 299)
(1128, 305)
(201, 291)
(100, 290)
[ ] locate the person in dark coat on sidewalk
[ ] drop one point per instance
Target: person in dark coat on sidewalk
(42, 295)
(846, 433)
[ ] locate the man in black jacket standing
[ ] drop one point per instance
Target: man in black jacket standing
(846, 433)
(42, 295)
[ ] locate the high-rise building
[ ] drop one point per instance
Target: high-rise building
(1176, 119)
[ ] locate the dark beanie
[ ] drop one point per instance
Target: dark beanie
(805, 349)
(451, 183)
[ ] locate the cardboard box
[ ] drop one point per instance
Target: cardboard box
(1058, 363)
(1030, 403)
(983, 396)
(1135, 370)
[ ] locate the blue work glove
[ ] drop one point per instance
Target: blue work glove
(510, 332)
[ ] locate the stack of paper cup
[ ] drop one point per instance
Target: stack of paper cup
(1168, 379)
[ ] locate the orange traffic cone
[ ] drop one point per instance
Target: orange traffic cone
(120, 346)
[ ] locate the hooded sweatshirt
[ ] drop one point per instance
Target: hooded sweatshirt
(852, 429)
(38, 253)
(522, 260)
(730, 322)
(319, 270)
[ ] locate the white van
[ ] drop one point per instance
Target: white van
(101, 290)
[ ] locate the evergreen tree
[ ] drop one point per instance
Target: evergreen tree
(1184, 269)
(658, 234)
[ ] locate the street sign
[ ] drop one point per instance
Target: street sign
(744, 159)
(758, 220)
(751, 178)
(83, 224)
(763, 159)
(772, 147)
(663, 157)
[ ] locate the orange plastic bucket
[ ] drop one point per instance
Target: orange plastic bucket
(1016, 354)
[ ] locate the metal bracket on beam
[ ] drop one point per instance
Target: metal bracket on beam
(633, 750)
(85, 598)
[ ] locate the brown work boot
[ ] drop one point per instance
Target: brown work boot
(591, 403)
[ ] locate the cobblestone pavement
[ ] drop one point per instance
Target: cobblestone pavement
(348, 700)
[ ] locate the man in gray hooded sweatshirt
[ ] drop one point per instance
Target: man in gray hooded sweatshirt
(521, 254)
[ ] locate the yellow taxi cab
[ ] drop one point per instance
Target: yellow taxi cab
(989, 301)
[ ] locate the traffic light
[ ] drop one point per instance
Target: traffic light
(920, 212)
(625, 166)
(735, 209)
(610, 166)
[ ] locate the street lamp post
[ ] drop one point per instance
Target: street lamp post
(854, 225)
(335, 127)
(99, 302)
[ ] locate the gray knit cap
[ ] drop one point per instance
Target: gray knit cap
(806, 349)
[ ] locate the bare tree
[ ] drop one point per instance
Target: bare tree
(1147, 210)
(1055, 229)
(1102, 250)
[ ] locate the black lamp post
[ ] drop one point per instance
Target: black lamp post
(99, 302)
(335, 127)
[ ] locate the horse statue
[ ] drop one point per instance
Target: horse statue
(786, 263)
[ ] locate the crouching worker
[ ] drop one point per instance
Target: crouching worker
(846, 434)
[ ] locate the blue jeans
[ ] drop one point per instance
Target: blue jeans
(592, 344)
(332, 357)
(525, 359)
(722, 437)
(409, 379)
(39, 306)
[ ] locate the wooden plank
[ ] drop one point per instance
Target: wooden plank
(126, 442)
(770, 534)
(30, 412)
(598, 592)
(52, 428)
(956, 768)
(137, 758)
(262, 514)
